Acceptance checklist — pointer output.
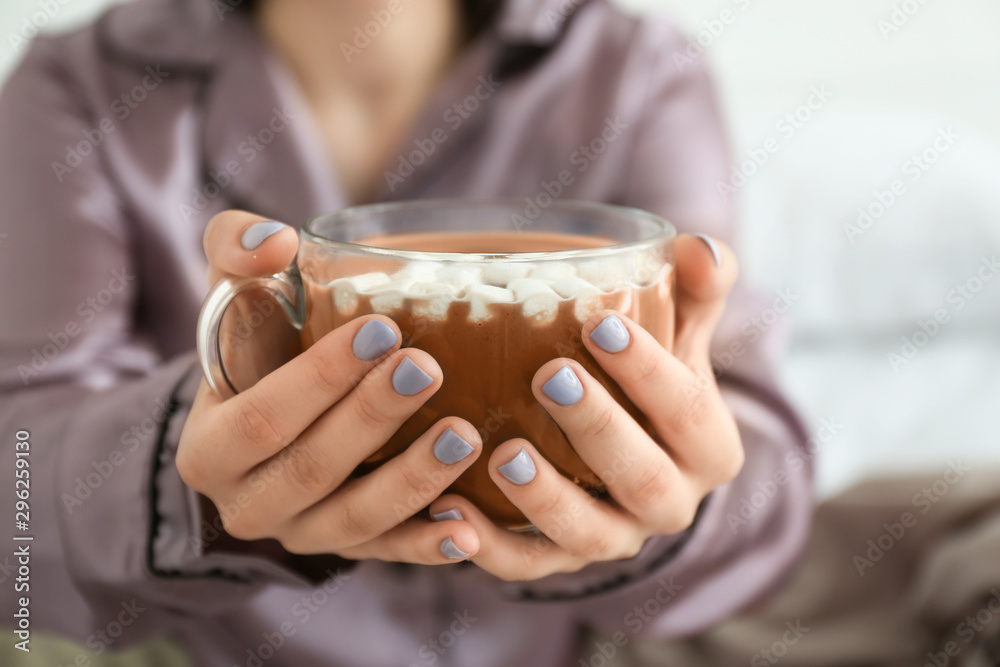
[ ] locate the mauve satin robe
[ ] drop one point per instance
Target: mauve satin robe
(107, 135)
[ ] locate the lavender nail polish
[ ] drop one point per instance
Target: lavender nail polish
(564, 387)
(713, 246)
(451, 448)
(408, 379)
(373, 339)
(259, 232)
(611, 335)
(519, 470)
(448, 515)
(450, 550)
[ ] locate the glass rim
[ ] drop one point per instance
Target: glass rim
(665, 232)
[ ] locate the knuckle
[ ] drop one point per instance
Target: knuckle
(596, 547)
(296, 543)
(601, 425)
(650, 490)
(192, 468)
(696, 414)
(304, 470)
(245, 528)
(367, 409)
(422, 485)
(324, 373)
(630, 550)
(355, 525)
(649, 368)
(549, 504)
(254, 424)
(680, 519)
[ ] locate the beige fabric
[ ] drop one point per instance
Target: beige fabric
(936, 570)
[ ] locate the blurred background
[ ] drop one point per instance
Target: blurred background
(866, 137)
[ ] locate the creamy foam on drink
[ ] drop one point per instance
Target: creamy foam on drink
(490, 325)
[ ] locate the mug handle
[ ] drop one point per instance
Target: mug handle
(285, 287)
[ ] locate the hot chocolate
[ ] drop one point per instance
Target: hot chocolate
(491, 325)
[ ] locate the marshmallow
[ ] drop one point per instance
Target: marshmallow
(587, 298)
(605, 273)
(538, 301)
(553, 270)
(346, 290)
(481, 296)
(432, 299)
(501, 274)
(460, 276)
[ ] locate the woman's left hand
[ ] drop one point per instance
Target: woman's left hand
(655, 485)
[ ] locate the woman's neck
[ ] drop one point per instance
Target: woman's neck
(364, 45)
(367, 69)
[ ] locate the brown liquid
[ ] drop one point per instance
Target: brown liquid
(489, 364)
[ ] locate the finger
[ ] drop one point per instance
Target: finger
(683, 405)
(256, 424)
(364, 508)
(638, 472)
(243, 244)
(421, 542)
(505, 554)
(325, 454)
(585, 526)
(706, 270)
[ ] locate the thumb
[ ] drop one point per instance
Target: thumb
(243, 244)
(706, 271)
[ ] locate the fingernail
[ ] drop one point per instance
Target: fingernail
(564, 387)
(450, 448)
(519, 470)
(710, 242)
(449, 549)
(408, 379)
(373, 339)
(258, 233)
(448, 515)
(611, 335)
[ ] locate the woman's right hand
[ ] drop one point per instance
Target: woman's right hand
(276, 458)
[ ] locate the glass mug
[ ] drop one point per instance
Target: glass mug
(489, 292)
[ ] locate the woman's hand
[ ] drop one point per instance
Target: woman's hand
(275, 459)
(655, 485)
